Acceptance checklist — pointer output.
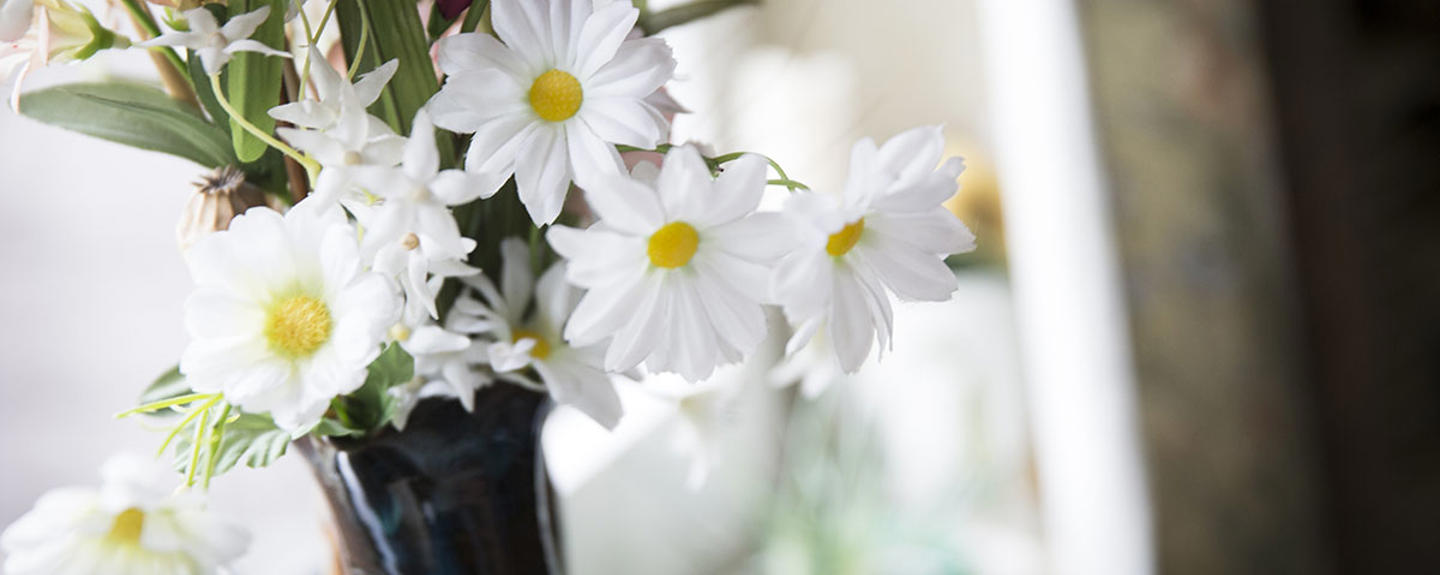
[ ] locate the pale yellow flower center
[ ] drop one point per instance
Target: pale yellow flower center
(542, 347)
(843, 241)
(556, 96)
(127, 527)
(297, 326)
(673, 245)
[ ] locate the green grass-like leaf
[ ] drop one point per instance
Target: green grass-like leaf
(131, 114)
(253, 79)
(250, 439)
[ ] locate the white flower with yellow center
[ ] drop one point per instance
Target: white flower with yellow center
(214, 43)
(676, 269)
(572, 375)
(284, 317)
(549, 104)
(131, 526)
(888, 231)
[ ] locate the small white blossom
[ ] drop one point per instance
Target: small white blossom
(216, 44)
(130, 526)
(336, 129)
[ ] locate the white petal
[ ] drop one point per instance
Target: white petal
(542, 174)
(473, 52)
(470, 100)
(646, 328)
(851, 329)
(422, 159)
(625, 121)
(248, 45)
(936, 231)
(590, 156)
(583, 387)
(910, 273)
(517, 279)
(554, 299)
(684, 178)
(760, 238)
(242, 26)
(525, 28)
(368, 87)
(495, 145)
(601, 36)
(913, 153)
(737, 191)
(456, 187)
(638, 69)
(625, 204)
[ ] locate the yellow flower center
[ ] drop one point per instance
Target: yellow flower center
(542, 347)
(673, 245)
(126, 529)
(556, 96)
(843, 241)
(297, 326)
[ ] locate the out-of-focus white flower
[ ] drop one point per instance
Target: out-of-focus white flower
(887, 232)
(54, 32)
(446, 363)
(572, 375)
(812, 366)
(15, 17)
(131, 526)
(335, 129)
(704, 416)
(284, 317)
(216, 44)
(411, 231)
(676, 270)
(549, 103)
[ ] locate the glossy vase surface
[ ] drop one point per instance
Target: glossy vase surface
(455, 493)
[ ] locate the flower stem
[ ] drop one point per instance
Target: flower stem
(792, 184)
(159, 405)
(217, 441)
(360, 48)
(176, 431)
(176, 79)
(200, 436)
(312, 168)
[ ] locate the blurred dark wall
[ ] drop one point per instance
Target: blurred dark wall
(1356, 88)
(1185, 122)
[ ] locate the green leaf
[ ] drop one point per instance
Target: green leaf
(371, 407)
(218, 116)
(253, 79)
(473, 15)
(131, 114)
(169, 385)
(395, 32)
(251, 439)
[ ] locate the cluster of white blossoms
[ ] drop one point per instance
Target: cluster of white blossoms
(674, 274)
(132, 525)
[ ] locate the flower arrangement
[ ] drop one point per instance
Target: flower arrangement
(426, 209)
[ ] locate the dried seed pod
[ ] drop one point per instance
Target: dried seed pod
(219, 197)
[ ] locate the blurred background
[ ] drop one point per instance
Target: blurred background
(1197, 336)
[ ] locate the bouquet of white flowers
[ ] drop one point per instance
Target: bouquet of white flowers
(413, 209)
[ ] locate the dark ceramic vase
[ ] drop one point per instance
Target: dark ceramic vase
(455, 493)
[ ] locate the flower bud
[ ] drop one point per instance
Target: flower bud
(218, 198)
(68, 32)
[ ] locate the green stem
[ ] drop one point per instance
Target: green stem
(159, 405)
(200, 431)
(312, 168)
(360, 48)
(792, 184)
(217, 441)
(151, 28)
(176, 431)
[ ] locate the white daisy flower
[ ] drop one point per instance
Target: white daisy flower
(214, 43)
(887, 232)
(572, 375)
(676, 270)
(131, 526)
(445, 364)
(284, 318)
(335, 129)
(548, 104)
